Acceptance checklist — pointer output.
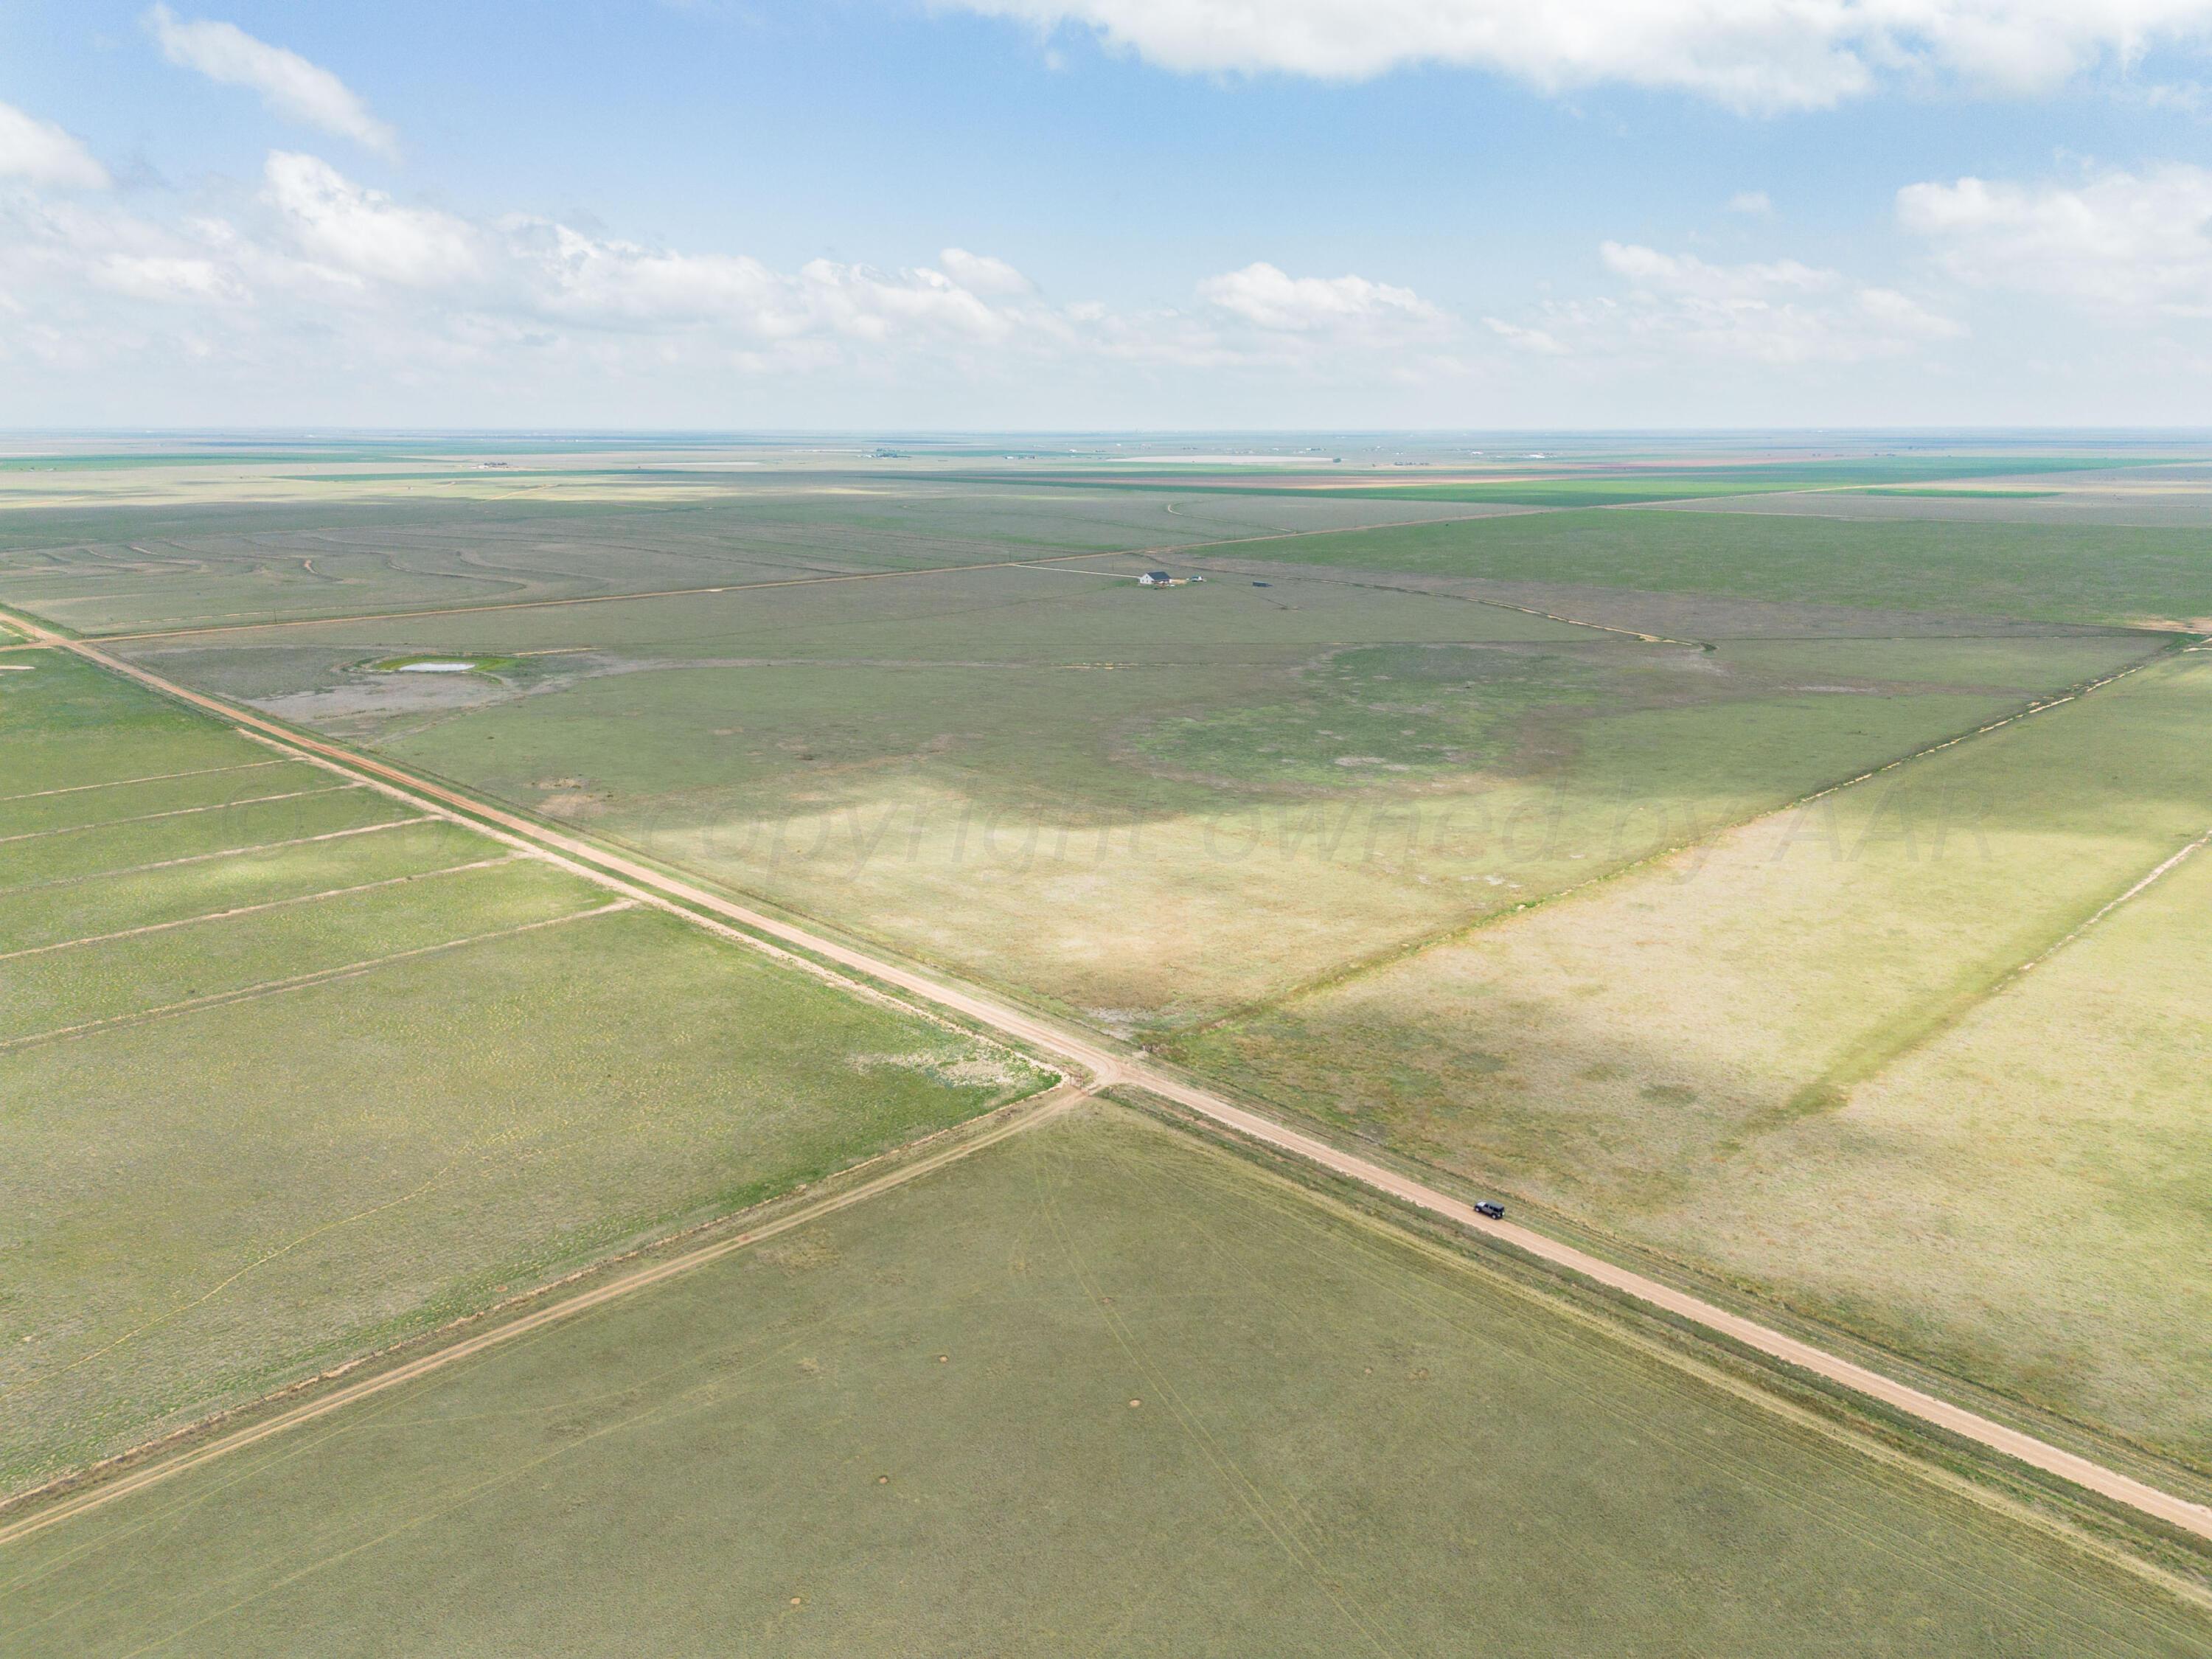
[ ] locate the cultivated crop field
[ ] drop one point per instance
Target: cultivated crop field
(1090, 1389)
(292, 1070)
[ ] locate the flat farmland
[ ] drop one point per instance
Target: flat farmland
(2143, 504)
(280, 1088)
(1488, 844)
(134, 569)
(1667, 1054)
(1092, 1389)
(1150, 807)
(2050, 572)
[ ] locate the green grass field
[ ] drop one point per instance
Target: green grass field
(1467, 832)
(279, 1092)
(1092, 1390)
(341, 549)
(2045, 573)
(1662, 1053)
(1150, 807)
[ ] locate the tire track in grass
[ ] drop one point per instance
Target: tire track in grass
(175, 812)
(255, 910)
(1942, 1016)
(295, 983)
(1015, 1120)
(1285, 1530)
(125, 783)
(222, 852)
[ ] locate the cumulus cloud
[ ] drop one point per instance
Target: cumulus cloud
(314, 261)
(1686, 276)
(1756, 202)
(1781, 312)
(1272, 298)
(165, 277)
(980, 274)
(363, 234)
(288, 83)
(39, 153)
(1749, 54)
(2123, 243)
(1542, 342)
(314, 250)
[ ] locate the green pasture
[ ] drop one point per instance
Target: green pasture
(1151, 806)
(2084, 574)
(1093, 1389)
(281, 1090)
(88, 906)
(65, 724)
(1662, 1055)
(130, 570)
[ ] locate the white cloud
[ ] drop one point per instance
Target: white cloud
(40, 153)
(316, 295)
(2123, 243)
(1266, 295)
(288, 83)
(980, 274)
(166, 278)
(1521, 338)
(1756, 202)
(1689, 276)
(361, 235)
(1749, 54)
(1783, 314)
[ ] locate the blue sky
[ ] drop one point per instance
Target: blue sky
(1175, 212)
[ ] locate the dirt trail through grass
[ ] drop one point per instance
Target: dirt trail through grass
(1012, 1120)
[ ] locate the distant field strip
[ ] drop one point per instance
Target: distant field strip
(812, 581)
(1476, 598)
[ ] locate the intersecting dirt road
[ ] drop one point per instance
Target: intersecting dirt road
(1108, 1068)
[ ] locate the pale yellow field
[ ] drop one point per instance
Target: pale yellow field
(2030, 1189)
(1705, 1055)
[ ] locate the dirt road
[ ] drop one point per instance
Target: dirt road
(1109, 1068)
